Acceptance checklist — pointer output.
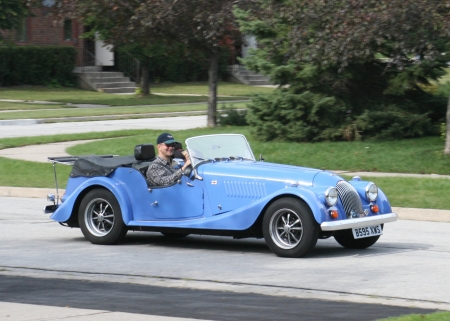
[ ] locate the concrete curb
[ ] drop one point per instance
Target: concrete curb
(32, 192)
(422, 214)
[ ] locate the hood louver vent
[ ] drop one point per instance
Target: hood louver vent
(245, 189)
(350, 199)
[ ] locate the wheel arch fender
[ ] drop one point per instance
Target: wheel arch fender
(68, 211)
(309, 197)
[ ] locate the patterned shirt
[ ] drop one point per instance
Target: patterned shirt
(160, 173)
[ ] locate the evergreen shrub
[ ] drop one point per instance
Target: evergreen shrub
(231, 117)
(303, 117)
(30, 65)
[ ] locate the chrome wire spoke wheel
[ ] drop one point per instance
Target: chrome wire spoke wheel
(99, 217)
(286, 228)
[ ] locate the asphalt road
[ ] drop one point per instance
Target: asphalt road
(49, 270)
(23, 128)
(185, 303)
(214, 278)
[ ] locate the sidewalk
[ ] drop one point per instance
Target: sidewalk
(32, 312)
(107, 117)
(39, 153)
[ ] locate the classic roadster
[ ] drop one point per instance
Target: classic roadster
(225, 192)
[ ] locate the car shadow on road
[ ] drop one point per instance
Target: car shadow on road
(330, 248)
(215, 243)
(324, 248)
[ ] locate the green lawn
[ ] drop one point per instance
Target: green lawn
(407, 156)
(12, 106)
(177, 93)
(201, 88)
(423, 155)
(42, 113)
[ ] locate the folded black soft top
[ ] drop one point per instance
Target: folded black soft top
(90, 166)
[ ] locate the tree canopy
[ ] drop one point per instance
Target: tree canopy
(203, 26)
(361, 67)
(12, 13)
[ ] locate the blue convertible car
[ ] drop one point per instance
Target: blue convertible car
(226, 192)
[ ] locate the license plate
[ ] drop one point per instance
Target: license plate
(361, 232)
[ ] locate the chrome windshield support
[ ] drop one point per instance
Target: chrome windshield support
(56, 182)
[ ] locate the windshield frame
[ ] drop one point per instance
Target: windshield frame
(196, 154)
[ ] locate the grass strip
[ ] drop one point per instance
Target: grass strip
(105, 111)
(414, 192)
(402, 192)
(79, 96)
(9, 106)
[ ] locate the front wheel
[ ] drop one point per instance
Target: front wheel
(100, 218)
(289, 228)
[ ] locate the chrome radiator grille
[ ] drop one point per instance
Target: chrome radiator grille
(350, 199)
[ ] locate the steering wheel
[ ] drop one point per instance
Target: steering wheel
(188, 171)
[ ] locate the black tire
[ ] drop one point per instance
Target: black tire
(178, 235)
(345, 238)
(100, 218)
(289, 228)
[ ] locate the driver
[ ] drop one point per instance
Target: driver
(160, 172)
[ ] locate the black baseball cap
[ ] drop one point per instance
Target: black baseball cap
(165, 138)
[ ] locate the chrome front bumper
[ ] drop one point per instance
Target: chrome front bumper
(358, 222)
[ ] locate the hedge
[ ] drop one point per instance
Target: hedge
(31, 65)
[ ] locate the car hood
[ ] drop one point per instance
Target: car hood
(269, 171)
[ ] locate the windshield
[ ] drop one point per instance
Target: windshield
(218, 148)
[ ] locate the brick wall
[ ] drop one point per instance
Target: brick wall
(41, 29)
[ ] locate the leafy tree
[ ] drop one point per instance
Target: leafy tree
(201, 25)
(12, 13)
(374, 57)
(112, 21)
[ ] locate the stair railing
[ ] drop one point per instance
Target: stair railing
(87, 62)
(130, 66)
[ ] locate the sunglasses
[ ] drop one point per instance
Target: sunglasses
(170, 145)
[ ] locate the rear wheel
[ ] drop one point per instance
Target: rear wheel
(345, 238)
(289, 228)
(100, 218)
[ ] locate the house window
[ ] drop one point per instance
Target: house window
(22, 31)
(67, 30)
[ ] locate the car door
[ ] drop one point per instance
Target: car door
(183, 200)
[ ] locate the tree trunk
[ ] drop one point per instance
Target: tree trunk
(447, 137)
(212, 83)
(145, 84)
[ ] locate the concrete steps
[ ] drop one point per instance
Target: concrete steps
(113, 82)
(244, 76)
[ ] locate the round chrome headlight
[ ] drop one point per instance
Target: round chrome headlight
(371, 192)
(331, 196)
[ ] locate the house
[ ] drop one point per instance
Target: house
(43, 29)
